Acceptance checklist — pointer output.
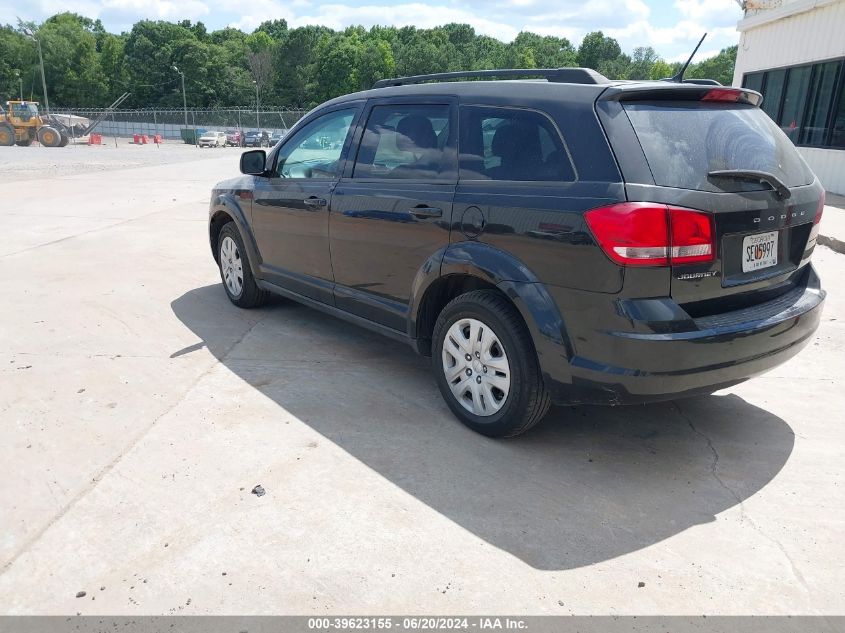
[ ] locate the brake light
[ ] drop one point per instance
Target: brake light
(691, 236)
(819, 210)
(722, 94)
(652, 234)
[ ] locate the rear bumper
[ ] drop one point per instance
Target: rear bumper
(717, 352)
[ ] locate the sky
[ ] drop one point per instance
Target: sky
(672, 27)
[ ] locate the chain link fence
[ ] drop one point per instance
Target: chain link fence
(169, 122)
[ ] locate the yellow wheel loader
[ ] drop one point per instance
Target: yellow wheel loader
(20, 123)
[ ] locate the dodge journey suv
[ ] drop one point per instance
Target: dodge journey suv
(569, 239)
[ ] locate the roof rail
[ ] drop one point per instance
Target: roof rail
(556, 75)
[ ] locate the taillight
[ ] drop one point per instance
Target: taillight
(819, 210)
(652, 234)
(691, 236)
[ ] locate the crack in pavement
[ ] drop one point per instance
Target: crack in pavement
(743, 514)
(105, 470)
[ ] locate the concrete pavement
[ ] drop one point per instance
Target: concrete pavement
(139, 408)
(832, 227)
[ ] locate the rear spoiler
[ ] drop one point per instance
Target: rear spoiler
(658, 91)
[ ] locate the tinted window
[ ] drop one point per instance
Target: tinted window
(820, 101)
(684, 140)
(773, 91)
(837, 138)
(406, 141)
(511, 144)
(314, 151)
(753, 81)
(794, 101)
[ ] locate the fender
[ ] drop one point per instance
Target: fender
(229, 202)
(511, 276)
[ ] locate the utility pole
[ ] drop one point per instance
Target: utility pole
(20, 83)
(257, 123)
(28, 33)
(184, 98)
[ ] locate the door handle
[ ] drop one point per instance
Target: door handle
(426, 212)
(313, 201)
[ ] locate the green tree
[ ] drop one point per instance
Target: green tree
(375, 62)
(86, 65)
(276, 29)
(642, 62)
(597, 49)
(17, 59)
(71, 63)
(719, 67)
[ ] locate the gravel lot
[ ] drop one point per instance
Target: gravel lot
(139, 409)
(28, 163)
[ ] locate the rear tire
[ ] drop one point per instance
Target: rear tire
(49, 136)
(235, 271)
(7, 135)
(486, 366)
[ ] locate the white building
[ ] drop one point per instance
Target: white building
(793, 52)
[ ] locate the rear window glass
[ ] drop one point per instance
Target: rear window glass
(511, 144)
(685, 140)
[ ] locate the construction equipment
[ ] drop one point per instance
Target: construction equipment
(21, 124)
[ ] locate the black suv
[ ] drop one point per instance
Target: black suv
(573, 240)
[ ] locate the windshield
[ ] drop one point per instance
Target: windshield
(24, 109)
(685, 140)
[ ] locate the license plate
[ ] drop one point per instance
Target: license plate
(759, 251)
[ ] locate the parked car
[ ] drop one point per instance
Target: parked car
(234, 138)
(212, 139)
(574, 240)
(256, 139)
(275, 137)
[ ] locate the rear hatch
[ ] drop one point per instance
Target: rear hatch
(715, 150)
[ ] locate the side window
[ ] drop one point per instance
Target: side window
(511, 144)
(314, 151)
(406, 141)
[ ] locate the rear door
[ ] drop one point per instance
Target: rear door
(763, 202)
(392, 209)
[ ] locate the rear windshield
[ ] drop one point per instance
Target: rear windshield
(685, 140)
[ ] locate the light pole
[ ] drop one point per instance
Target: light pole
(257, 122)
(184, 98)
(31, 36)
(20, 83)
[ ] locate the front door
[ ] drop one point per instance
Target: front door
(392, 209)
(290, 212)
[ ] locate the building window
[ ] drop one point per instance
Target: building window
(795, 101)
(807, 102)
(820, 103)
(773, 93)
(837, 138)
(754, 81)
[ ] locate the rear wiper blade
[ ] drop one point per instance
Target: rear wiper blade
(756, 175)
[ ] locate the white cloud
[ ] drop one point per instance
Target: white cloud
(261, 10)
(422, 16)
(711, 12)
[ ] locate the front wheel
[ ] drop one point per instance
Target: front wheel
(235, 271)
(486, 366)
(7, 135)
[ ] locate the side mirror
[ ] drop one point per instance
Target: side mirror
(254, 162)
